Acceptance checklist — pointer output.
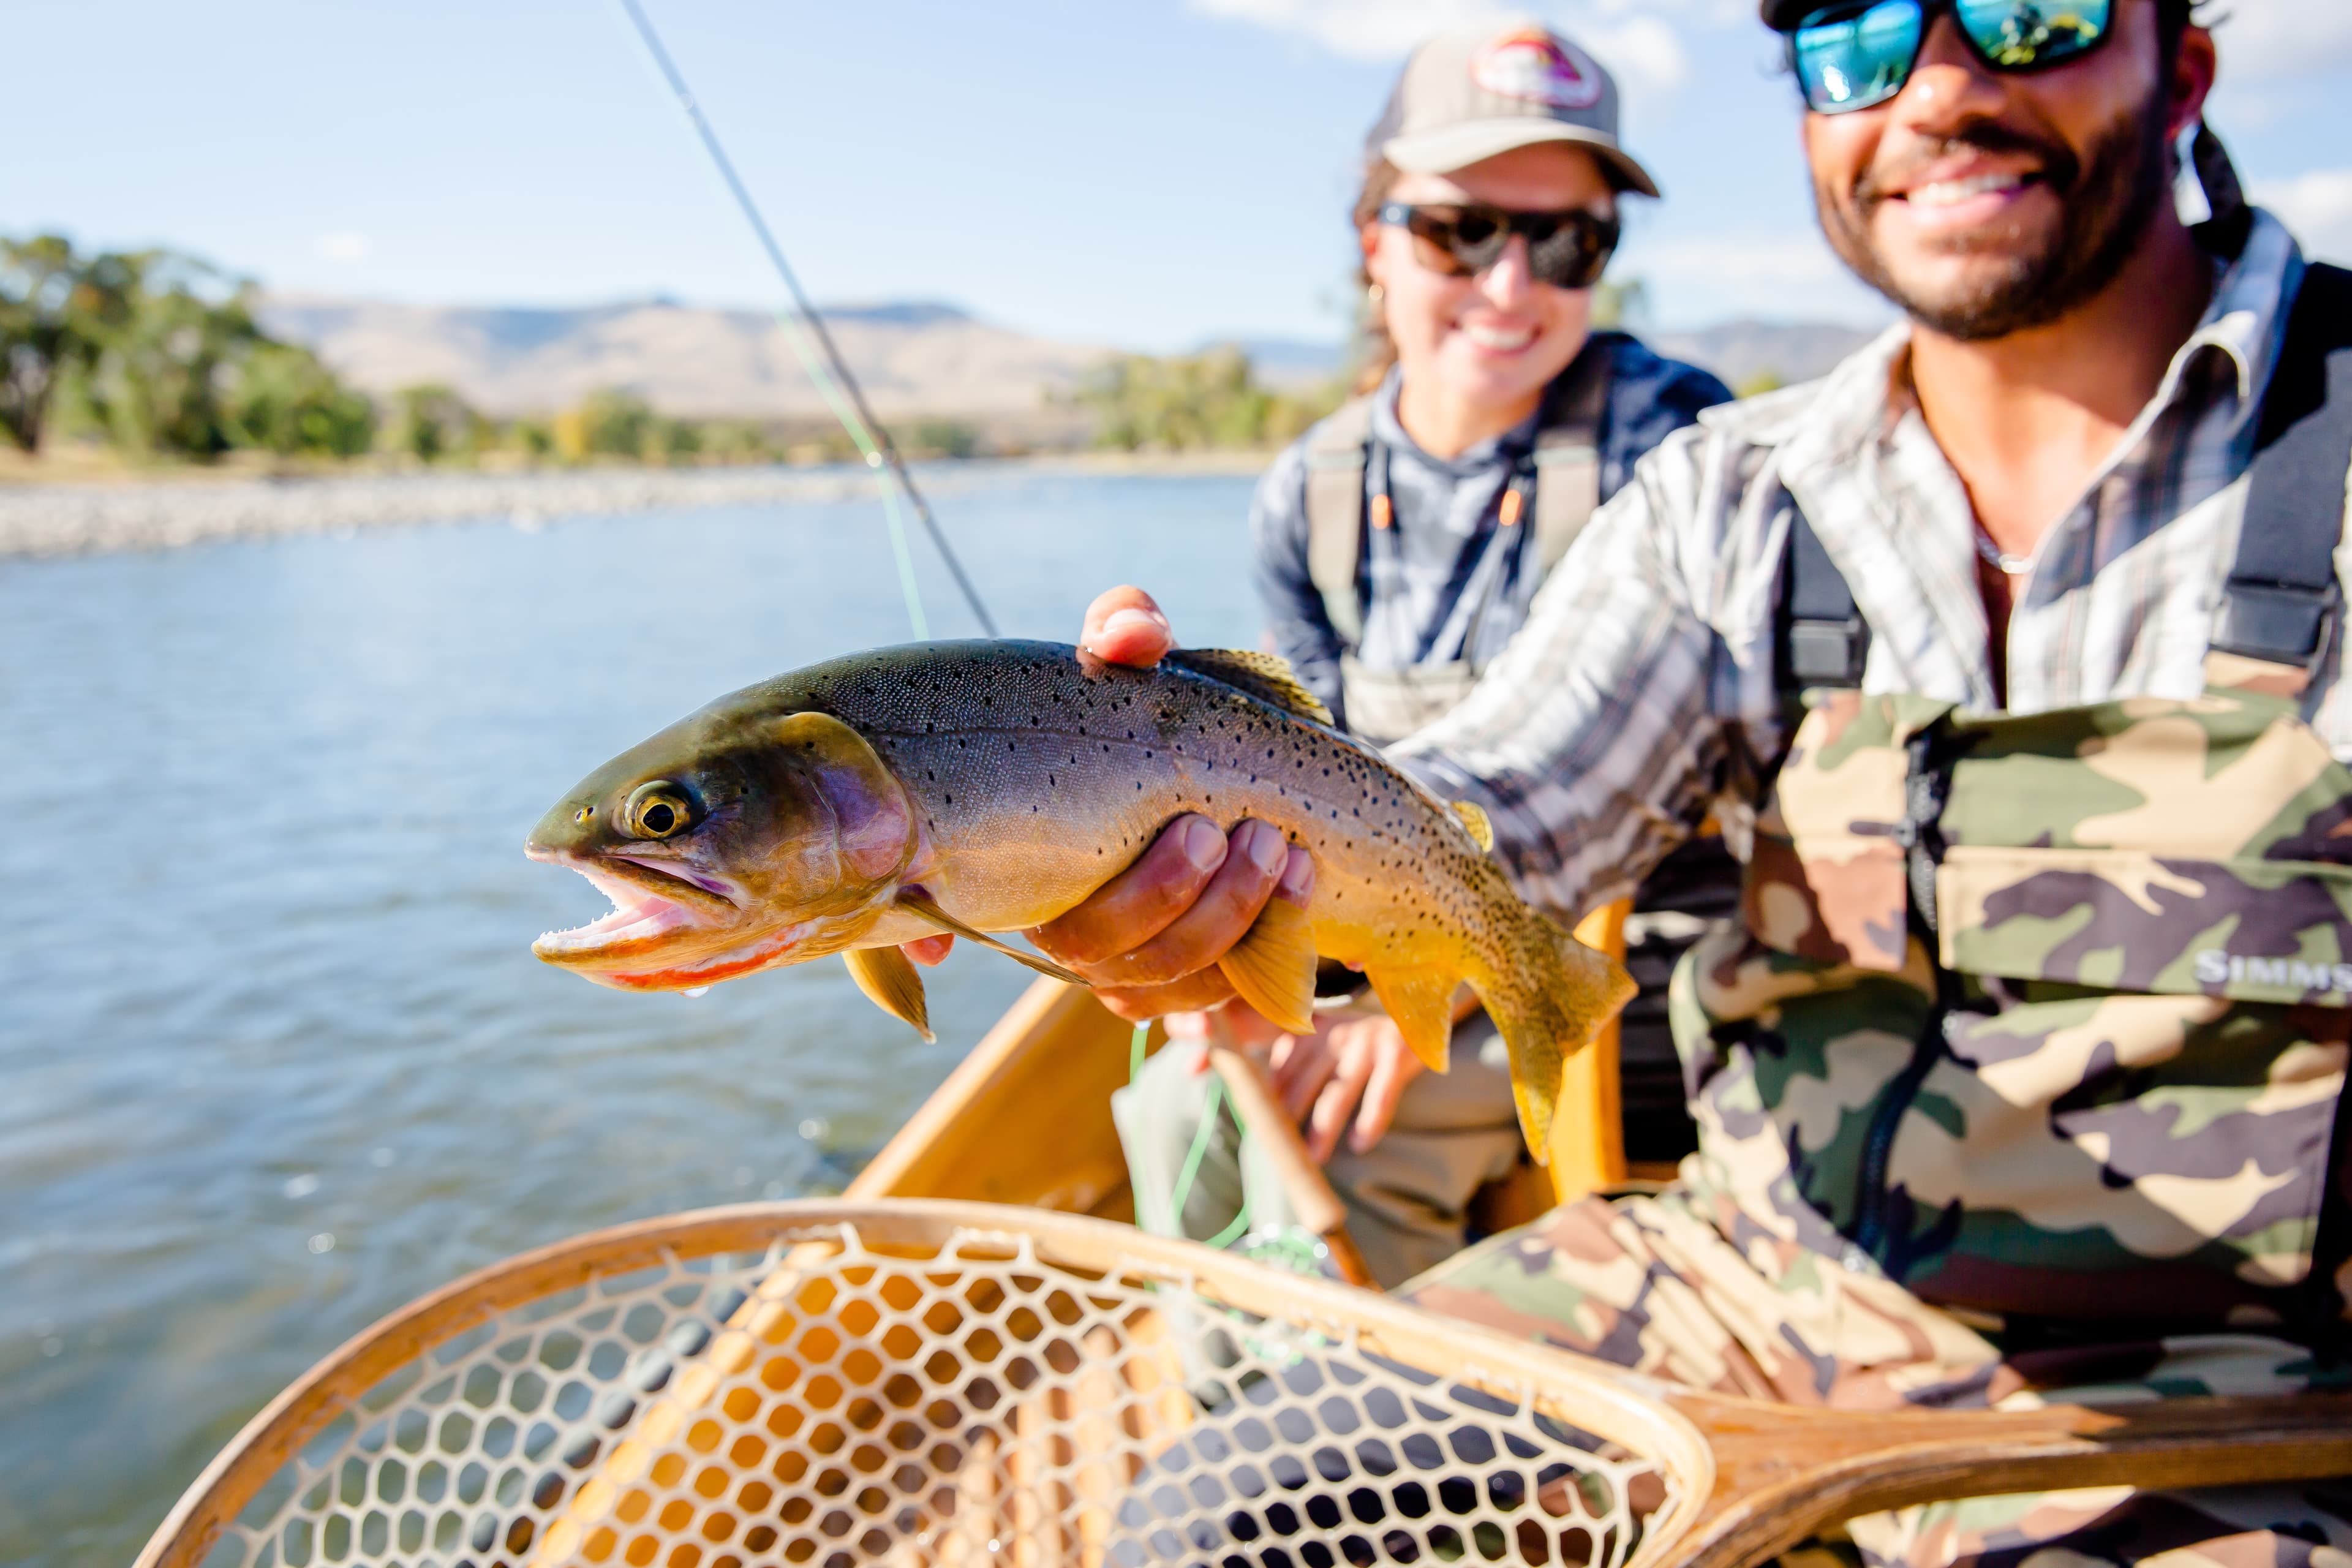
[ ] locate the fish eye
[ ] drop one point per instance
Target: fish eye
(658, 809)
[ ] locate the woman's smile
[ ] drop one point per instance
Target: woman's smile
(1500, 338)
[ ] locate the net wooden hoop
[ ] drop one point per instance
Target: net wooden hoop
(918, 1382)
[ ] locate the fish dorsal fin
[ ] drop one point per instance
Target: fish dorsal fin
(1475, 821)
(1265, 675)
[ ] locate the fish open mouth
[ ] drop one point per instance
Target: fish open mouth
(648, 904)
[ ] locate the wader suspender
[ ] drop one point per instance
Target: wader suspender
(1563, 472)
(1819, 636)
(2280, 604)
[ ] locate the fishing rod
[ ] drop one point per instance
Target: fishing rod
(826, 367)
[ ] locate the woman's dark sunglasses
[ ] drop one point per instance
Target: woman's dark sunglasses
(1566, 250)
(1856, 55)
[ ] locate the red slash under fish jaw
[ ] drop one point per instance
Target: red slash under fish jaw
(668, 930)
(639, 916)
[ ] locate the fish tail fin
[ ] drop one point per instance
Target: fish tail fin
(1548, 994)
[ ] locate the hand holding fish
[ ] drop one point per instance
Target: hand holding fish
(1175, 830)
(1150, 941)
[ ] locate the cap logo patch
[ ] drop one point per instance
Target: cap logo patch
(1531, 65)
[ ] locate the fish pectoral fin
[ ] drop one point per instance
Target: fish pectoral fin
(922, 906)
(1265, 675)
(1273, 966)
(1474, 819)
(1420, 1000)
(888, 978)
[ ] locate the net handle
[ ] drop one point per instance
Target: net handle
(1304, 1185)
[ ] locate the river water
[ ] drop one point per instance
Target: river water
(274, 1054)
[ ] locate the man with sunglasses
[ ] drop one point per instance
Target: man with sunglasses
(1396, 548)
(2019, 642)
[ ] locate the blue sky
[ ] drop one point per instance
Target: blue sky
(1144, 172)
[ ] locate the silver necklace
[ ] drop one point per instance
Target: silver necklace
(1997, 558)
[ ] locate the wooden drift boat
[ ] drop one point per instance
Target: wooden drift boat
(1025, 1118)
(896, 1377)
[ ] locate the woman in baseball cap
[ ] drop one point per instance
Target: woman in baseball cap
(1397, 546)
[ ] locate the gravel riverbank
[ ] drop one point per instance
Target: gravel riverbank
(89, 517)
(86, 519)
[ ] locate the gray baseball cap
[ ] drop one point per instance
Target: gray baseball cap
(1472, 93)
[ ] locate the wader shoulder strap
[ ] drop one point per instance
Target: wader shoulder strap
(1565, 480)
(1567, 458)
(2281, 601)
(1820, 639)
(1335, 513)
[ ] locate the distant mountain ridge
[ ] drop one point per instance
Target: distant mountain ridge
(916, 358)
(1739, 351)
(913, 357)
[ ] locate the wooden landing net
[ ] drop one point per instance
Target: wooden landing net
(922, 1382)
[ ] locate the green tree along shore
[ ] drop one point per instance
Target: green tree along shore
(156, 354)
(158, 357)
(1205, 401)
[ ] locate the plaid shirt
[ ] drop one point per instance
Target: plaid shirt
(1644, 677)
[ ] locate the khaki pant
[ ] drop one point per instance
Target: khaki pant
(1666, 1287)
(1407, 1196)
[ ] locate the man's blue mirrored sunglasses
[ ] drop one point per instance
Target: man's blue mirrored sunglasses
(1858, 54)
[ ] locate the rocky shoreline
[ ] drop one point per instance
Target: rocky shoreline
(46, 520)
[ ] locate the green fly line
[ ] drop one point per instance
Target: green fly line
(1136, 1045)
(814, 346)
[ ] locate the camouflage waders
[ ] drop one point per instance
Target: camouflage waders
(2022, 1075)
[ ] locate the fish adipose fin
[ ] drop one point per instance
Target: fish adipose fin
(1273, 966)
(922, 906)
(1557, 996)
(1265, 675)
(888, 977)
(1474, 819)
(1419, 1001)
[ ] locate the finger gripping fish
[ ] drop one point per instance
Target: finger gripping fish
(988, 786)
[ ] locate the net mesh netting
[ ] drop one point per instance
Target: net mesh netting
(969, 1400)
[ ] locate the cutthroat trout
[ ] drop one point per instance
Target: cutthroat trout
(989, 787)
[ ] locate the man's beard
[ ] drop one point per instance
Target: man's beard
(2106, 202)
